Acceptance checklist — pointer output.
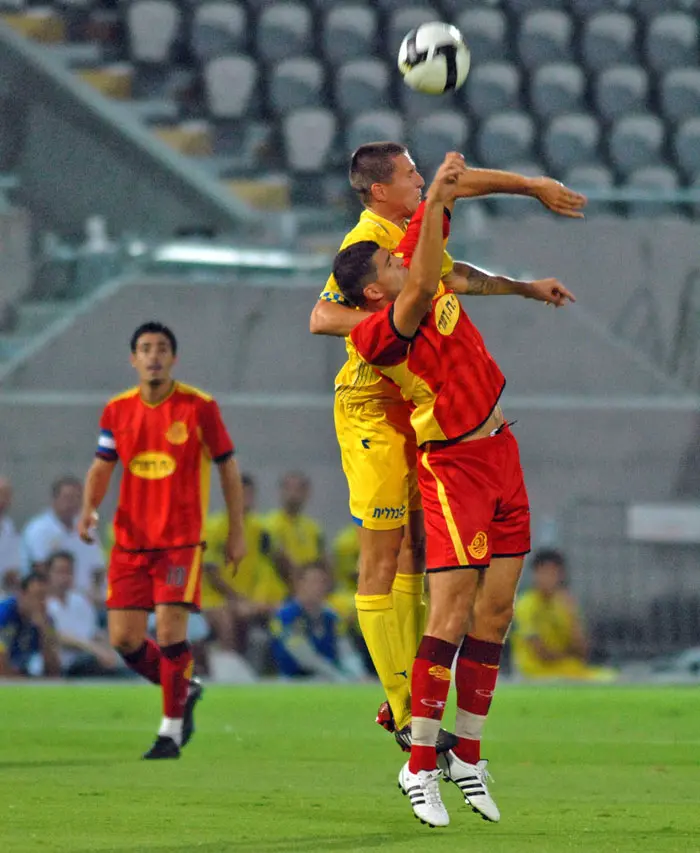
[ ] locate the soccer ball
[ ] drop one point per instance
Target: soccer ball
(434, 59)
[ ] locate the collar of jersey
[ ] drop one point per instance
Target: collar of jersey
(390, 227)
(160, 402)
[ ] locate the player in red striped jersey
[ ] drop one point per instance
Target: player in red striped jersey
(165, 434)
(474, 498)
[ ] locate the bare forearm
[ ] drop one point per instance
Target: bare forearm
(232, 490)
(330, 318)
(479, 182)
(96, 484)
(473, 281)
(426, 263)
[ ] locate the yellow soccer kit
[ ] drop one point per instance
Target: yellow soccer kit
(377, 443)
(299, 536)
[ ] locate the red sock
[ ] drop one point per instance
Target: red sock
(145, 660)
(176, 666)
(430, 684)
(477, 671)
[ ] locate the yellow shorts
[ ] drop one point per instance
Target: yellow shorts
(378, 452)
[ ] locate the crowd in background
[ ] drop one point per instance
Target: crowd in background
(289, 610)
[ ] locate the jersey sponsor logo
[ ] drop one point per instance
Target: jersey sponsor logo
(447, 313)
(479, 545)
(389, 513)
(177, 432)
(152, 465)
(440, 672)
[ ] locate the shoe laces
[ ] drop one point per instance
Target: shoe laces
(431, 788)
(483, 772)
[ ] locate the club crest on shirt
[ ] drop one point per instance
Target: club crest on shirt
(177, 432)
(446, 313)
(479, 546)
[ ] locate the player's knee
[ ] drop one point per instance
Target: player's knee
(377, 575)
(492, 619)
(124, 642)
(448, 625)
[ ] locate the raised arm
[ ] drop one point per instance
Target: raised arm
(332, 318)
(469, 280)
(552, 194)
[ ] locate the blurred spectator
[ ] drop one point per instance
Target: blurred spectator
(296, 538)
(346, 553)
(28, 642)
(55, 530)
(549, 639)
(83, 648)
(231, 603)
(10, 553)
(308, 638)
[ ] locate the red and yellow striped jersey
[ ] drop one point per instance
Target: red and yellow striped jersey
(166, 451)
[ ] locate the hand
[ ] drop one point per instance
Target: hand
(558, 198)
(550, 291)
(87, 524)
(445, 184)
(235, 548)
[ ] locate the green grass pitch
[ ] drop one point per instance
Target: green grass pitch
(280, 769)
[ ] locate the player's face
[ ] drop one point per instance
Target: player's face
(391, 278)
(405, 191)
(67, 502)
(548, 578)
(153, 359)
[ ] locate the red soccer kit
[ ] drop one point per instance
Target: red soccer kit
(166, 451)
(474, 497)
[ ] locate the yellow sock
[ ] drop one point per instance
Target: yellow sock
(381, 629)
(411, 610)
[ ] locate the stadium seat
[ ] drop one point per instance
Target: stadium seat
(308, 136)
(680, 94)
(284, 30)
(557, 88)
(686, 145)
(153, 27)
(362, 85)
(585, 8)
(609, 39)
(571, 140)
(486, 33)
(521, 7)
(416, 105)
(651, 8)
(505, 138)
(349, 32)
(430, 138)
(621, 90)
(392, 5)
(491, 88)
(217, 29)
(229, 83)
(653, 178)
(378, 124)
(544, 37)
(636, 141)
(296, 83)
(672, 41)
(403, 20)
(586, 178)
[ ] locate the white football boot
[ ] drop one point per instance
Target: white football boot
(423, 790)
(471, 781)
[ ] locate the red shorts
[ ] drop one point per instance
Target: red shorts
(139, 581)
(475, 502)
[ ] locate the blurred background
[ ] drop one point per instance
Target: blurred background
(186, 161)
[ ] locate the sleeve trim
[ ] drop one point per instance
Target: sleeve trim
(448, 213)
(224, 457)
(395, 330)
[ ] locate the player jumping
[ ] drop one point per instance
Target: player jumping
(474, 499)
(165, 434)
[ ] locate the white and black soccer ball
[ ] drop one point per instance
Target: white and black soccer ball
(434, 58)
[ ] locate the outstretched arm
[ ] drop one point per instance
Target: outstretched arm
(332, 318)
(469, 280)
(552, 194)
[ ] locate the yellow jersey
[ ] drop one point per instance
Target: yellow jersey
(358, 381)
(300, 537)
(550, 619)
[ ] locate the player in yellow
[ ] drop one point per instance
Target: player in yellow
(376, 442)
(549, 640)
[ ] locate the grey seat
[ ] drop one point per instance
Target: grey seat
(153, 27)
(620, 90)
(557, 88)
(651, 8)
(308, 136)
(432, 137)
(296, 83)
(229, 83)
(521, 7)
(506, 138)
(491, 88)
(217, 29)
(571, 140)
(586, 8)
(486, 32)
(636, 141)
(589, 180)
(403, 20)
(609, 39)
(545, 37)
(686, 145)
(392, 5)
(362, 85)
(680, 93)
(672, 41)
(349, 31)
(656, 179)
(415, 105)
(284, 30)
(385, 125)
